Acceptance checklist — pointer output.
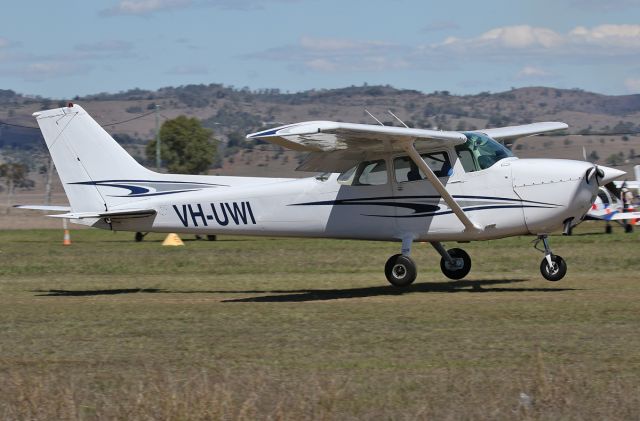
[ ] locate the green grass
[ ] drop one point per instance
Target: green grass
(247, 328)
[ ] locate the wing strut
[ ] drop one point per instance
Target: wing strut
(417, 159)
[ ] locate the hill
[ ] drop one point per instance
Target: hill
(231, 113)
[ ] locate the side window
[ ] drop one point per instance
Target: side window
(466, 159)
(406, 170)
(371, 173)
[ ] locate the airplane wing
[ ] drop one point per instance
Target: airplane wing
(612, 216)
(634, 184)
(514, 132)
(330, 136)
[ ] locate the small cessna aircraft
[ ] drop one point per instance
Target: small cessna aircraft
(378, 183)
(609, 207)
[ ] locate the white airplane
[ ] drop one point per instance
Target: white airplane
(608, 207)
(379, 183)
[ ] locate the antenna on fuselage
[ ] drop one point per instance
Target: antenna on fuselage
(373, 117)
(397, 118)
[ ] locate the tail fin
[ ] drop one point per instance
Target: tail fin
(86, 158)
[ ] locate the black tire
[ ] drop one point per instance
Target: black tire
(452, 272)
(400, 270)
(557, 272)
(608, 229)
(628, 228)
(211, 238)
(139, 237)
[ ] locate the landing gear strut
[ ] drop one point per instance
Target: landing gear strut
(553, 267)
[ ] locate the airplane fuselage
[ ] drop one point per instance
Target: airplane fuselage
(513, 197)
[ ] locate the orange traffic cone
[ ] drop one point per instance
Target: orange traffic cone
(67, 238)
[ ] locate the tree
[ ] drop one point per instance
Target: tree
(15, 175)
(613, 160)
(186, 146)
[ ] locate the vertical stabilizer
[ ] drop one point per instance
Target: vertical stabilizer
(86, 157)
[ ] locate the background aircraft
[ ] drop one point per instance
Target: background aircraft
(379, 183)
(609, 206)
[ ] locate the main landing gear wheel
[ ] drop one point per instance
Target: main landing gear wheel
(400, 270)
(460, 267)
(140, 236)
(556, 271)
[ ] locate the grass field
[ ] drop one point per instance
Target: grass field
(247, 328)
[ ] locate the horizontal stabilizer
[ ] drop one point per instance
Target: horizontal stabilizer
(118, 214)
(44, 208)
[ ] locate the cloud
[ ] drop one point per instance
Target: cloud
(524, 40)
(144, 7)
(334, 54)
(587, 46)
(4, 42)
(189, 69)
(605, 6)
(533, 72)
(45, 70)
(105, 46)
(440, 26)
(149, 7)
(632, 85)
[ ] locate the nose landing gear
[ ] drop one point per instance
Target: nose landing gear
(553, 267)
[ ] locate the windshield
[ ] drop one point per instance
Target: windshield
(480, 152)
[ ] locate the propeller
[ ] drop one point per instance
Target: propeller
(597, 173)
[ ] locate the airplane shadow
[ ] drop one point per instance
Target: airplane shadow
(303, 295)
(89, 293)
(425, 287)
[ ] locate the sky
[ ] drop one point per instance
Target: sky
(79, 47)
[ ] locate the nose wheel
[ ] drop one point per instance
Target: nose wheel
(553, 267)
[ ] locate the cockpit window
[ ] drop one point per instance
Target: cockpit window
(407, 170)
(480, 152)
(372, 173)
(367, 173)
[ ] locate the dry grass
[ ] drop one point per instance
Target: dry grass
(307, 329)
